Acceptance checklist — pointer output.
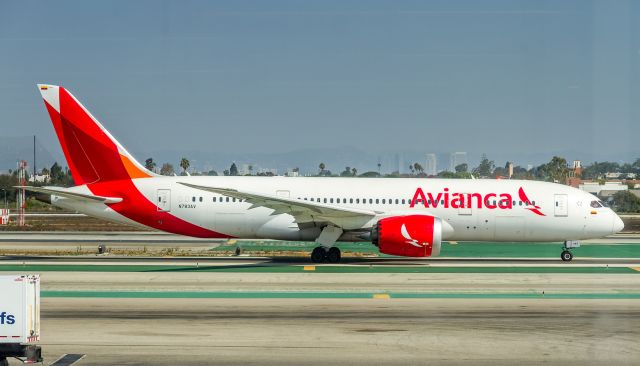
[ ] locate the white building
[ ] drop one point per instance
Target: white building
(457, 158)
(431, 167)
(597, 188)
(39, 178)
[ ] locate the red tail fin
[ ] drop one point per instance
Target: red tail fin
(92, 153)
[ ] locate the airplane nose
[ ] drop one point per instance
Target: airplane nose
(618, 225)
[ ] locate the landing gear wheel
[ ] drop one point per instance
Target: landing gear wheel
(318, 254)
(566, 256)
(4, 362)
(333, 256)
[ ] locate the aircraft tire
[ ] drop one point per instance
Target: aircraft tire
(334, 255)
(318, 255)
(566, 256)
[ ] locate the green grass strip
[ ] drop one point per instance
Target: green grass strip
(325, 295)
(460, 250)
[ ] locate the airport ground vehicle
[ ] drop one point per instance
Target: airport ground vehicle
(402, 216)
(19, 318)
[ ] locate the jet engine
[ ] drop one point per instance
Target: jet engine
(408, 236)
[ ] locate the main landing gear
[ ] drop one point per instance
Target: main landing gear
(326, 252)
(329, 255)
(566, 254)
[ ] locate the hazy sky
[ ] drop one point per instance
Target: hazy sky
(273, 76)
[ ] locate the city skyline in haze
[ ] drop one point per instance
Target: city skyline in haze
(236, 81)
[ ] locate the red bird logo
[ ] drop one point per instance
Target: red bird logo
(533, 208)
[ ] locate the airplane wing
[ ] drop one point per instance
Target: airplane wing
(302, 211)
(64, 192)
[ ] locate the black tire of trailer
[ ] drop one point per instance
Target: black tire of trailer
(4, 362)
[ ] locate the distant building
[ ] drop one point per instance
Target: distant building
(621, 176)
(576, 169)
(509, 169)
(244, 169)
(603, 190)
(400, 160)
(39, 178)
(574, 176)
(263, 171)
(431, 166)
(457, 158)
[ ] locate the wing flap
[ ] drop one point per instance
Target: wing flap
(66, 193)
(302, 211)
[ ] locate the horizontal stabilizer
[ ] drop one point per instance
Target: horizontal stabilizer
(66, 193)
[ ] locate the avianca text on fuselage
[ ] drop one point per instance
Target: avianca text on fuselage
(447, 199)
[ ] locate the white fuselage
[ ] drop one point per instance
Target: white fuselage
(480, 214)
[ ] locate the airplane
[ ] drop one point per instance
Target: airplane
(408, 217)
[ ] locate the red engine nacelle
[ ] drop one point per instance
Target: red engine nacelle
(409, 236)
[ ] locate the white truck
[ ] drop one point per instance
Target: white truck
(19, 318)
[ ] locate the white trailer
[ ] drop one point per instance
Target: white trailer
(19, 318)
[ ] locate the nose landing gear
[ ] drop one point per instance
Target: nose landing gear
(566, 254)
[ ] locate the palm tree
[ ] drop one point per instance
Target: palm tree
(184, 164)
(354, 171)
(150, 164)
(322, 166)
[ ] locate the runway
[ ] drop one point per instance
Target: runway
(487, 305)
(344, 331)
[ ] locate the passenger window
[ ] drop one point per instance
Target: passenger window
(331, 200)
(200, 199)
(383, 201)
(214, 199)
(377, 201)
(193, 199)
(520, 203)
(370, 200)
(397, 201)
(403, 201)
(357, 200)
(350, 200)
(325, 200)
(227, 199)
(533, 203)
(159, 199)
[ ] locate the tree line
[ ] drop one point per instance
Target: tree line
(556, 170)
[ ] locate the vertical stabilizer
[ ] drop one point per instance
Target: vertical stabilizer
(93, 155)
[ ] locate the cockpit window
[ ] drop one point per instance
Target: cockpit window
(596, 204)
